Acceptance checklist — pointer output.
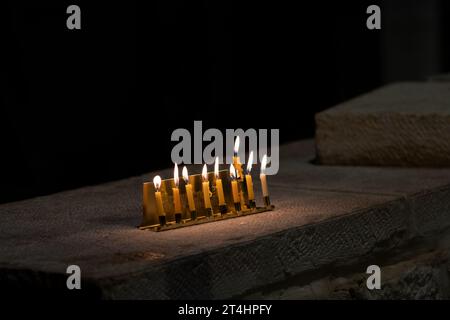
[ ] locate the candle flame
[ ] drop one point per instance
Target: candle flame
(263, 163)
(185, 174)
(157, 182)
(232, 172)
(205, 173)
(236, 145)
(216, 167)
(250, 162)
(176, 177)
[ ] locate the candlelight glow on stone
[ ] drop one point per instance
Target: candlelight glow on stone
(250, 162)
(176, 178)
(157, 182)
(185, 174)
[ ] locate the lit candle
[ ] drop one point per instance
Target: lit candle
(219, 188)
(206, 192)
(159, 203)
(249, 181)
(236, 160)
(263, 178)
(239, 172)
(234, 189)
(176, 195)
(189, 194)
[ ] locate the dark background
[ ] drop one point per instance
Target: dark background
(85, 106)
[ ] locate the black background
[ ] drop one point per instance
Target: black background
(81, 107)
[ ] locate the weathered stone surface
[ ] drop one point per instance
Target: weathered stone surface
(325, 216)
(425, 276)
(402, 124)
(298, 170)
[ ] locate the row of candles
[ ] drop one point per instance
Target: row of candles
(236, 174)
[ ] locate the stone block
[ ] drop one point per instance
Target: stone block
(402, 124)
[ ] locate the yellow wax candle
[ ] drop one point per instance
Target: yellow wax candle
(234, 188)
(189, 193)
(234, 185)
(176, 200)
(219, 186)
(248, 178)
(265, 190)
(190, 197)
(238, 166)
(159, 204)
(206, 198)
(205, 188)
(158, 196)
(220, 194)
(176, 191)
(236, 160)
(263, 179)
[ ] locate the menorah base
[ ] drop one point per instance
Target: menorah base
(204, 219)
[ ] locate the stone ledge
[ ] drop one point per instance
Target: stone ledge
(425, 276)
(325, 216)
(402, 124)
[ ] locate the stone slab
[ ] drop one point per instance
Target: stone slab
(298, 169)
(402, 124)
(422, 277)
(325, 215)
